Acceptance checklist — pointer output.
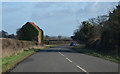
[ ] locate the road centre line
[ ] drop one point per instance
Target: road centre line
(74, 63)
(61, 54)
(69, 60)
(82, 69)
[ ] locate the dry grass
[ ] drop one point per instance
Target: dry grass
(13, 46)
(14, 51)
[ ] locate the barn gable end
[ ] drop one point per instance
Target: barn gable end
(30, 32)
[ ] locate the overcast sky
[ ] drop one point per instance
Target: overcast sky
(54, 18)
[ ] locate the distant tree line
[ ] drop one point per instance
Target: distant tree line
(101, 33)
(56, 39)
(59, 37)
(4, 34)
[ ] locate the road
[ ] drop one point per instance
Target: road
(64, 59)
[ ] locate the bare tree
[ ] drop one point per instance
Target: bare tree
(59, 37)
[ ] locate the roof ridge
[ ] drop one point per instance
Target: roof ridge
(35, 26)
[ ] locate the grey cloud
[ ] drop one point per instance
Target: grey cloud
(89, 11)
(12, 7)
(44, 4)
(56, 4)
(9, 9)
(95, 9)
(58, 12)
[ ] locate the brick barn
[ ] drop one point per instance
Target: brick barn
(30, 32)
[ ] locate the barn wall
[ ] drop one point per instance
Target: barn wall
(31, 32)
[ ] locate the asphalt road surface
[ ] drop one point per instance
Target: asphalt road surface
(64, 59)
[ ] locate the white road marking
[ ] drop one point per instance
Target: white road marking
(74, 63)
(82, 69)
(69, 60)
(61, 54)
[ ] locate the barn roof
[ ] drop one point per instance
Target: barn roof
(35, 26)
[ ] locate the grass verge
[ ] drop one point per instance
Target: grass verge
(9, 62)
(81, 49)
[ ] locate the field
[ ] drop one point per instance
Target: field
(14, 51)
(13, 46)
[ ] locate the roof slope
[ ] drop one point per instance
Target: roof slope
(35, 26)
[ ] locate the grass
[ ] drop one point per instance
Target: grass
(9, 62)
(13, 46)
(110, 57)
